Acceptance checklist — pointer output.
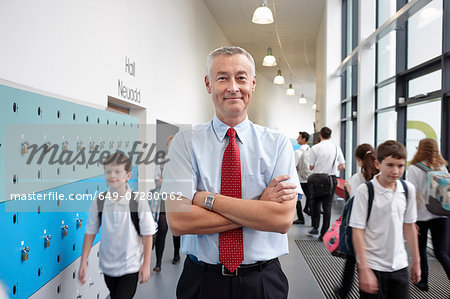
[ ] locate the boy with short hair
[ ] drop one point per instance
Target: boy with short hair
(378, 241)
(124, 254)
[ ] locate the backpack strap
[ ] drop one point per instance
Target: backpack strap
(405, 187)
(422, 167)
(371, 195)
(134, 212)
(100, 205)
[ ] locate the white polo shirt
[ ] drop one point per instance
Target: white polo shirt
(383, 233)
(418, 178)
(356, 180)
(298, 155)
(322, 156)
(121, 248)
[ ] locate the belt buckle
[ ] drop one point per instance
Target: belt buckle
(230, 274)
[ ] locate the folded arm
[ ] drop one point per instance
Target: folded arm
(273, 212)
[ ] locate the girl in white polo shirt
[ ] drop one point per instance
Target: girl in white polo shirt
(428, 154)
(124, 254)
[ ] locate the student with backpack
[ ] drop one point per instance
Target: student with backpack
(365, 157)
(378, 241)
(126, 243)
(428, 155)
(303, 171)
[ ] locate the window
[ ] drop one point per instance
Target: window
(422, 122)
(425, 34)
(386, 126)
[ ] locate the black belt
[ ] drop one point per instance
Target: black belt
(222, 270)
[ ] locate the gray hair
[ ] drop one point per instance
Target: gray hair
(231, 50)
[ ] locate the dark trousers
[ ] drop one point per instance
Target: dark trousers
(347, 276)
(393, 285)
(299, 211)
(122, 287)
(438, 229)
(325, 202)
(160, 239)
(196, 282)
(306, 193)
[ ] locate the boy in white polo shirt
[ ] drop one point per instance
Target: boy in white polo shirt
(124, 251)
(378, 241)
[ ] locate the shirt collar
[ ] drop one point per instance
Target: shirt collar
(380, 189)
(123, 201)
(220, 129)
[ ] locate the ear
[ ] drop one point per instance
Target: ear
(129, 174)
(253, 83)
(208, 85)
(377, 164)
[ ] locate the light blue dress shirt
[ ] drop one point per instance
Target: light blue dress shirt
(195, 163)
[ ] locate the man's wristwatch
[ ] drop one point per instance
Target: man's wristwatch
(209, 201)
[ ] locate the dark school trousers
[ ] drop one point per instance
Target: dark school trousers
(197, 282)
(393, 285)
(306, 193)
(122, 287)
(438, 228)
(325, 202)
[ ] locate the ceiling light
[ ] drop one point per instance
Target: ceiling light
(279, 79)
(290, 91)
(314, 106)
(302, 100)
(263, 14)
(269, 59)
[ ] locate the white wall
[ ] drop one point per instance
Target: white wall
(321, 73)
(328, 49)
(77, 49)
(271, 107)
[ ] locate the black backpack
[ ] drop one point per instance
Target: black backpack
(133, 209)
(345, 232)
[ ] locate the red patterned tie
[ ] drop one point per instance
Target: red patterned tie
(231, 245)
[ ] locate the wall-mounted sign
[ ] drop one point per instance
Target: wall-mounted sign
(124, 91)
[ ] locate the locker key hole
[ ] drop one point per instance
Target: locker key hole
(14, 290)
(15, 179)
(58, 114)
(74, 246)
(39, 111)
(39, 174)
(74, 116)
(15, 107)
(74, 274)
(98, 120)
(58, 258)
(39, 272)
(39, 209)
(87, 118)
(58, 289)
(14, 219)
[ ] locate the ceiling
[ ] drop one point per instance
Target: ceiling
(292, 36)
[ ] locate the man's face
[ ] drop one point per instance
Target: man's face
(391, 169)
(231, 85)
(116, 176)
